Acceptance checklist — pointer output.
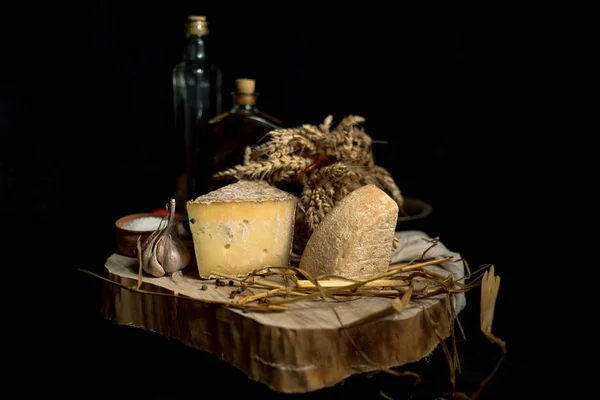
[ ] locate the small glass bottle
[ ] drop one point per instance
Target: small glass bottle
(243, 125)
(197, 98)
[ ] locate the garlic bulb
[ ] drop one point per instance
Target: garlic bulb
(164, 252)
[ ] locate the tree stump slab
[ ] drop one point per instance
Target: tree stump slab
(298, 350)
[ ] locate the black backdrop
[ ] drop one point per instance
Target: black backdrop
(86, 127)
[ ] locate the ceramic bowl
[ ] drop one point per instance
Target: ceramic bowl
(126, 238)
(417, 215)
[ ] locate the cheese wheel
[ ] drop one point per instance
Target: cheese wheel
(241, 227)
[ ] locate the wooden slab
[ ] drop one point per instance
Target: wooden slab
(294, 351)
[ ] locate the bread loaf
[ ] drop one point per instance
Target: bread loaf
(355, 238)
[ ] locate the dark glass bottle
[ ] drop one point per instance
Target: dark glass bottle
(243, 125)
(197, 99)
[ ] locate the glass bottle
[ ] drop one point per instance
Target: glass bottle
(243, 125)
(196, 99)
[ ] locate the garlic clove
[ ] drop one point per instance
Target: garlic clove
(150, 262)
(175, 255)
(155, 267)
(160, 251)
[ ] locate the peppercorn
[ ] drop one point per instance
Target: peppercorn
(204, 287)
(230, 283)
(231, 296)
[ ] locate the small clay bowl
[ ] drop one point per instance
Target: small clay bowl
(127, 239)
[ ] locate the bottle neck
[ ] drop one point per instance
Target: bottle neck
(195, 47)
(244, 103)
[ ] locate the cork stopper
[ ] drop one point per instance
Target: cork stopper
(244, 91)
(197, 25)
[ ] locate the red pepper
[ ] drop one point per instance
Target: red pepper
(162, 212)
(318, 161)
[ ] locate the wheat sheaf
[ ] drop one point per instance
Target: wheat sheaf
(320, 164)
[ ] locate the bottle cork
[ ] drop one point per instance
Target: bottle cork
(244, 91)
(197, 25)
(244, 85)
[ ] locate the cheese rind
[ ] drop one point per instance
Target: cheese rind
(242, 227)
(355, 239)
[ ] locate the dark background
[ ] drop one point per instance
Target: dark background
(87, 124)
